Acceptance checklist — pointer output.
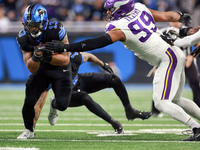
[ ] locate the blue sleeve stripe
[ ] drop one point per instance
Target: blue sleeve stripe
(82, 58)
(62, 33)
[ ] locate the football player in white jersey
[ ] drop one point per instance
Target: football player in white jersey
(133, 24)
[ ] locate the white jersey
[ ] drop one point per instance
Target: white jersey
(142, 35)
(188, 40)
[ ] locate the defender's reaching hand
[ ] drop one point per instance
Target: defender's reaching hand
(185, 18)
(56, 46)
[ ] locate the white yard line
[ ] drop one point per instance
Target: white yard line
(18, 148)
(83, 118)
(110, 132)
(110, 141)
(75, 124)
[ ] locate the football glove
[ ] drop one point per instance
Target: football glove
(178, 32)
(184, 31)
(196, 51)
(41, 48)
(173, 30)
(168, 39)
(185, 18)
(56, 46)
(47, 56)
(107, 68)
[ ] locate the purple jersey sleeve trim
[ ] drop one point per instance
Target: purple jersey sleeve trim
(110, 27)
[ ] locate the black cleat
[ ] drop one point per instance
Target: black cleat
(133, 114)
(117, 127)
(195, 136)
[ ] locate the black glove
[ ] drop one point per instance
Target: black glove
(107, 68)
(184, 31)
(41, 48)
(55, 46)
(196, 51)
(168, 39)
(47, 56)
(185, 18)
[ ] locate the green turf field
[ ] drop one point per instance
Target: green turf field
(79, 129)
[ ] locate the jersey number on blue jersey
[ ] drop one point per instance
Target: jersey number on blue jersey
(53, 24)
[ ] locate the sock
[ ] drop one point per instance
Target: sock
(192, 123)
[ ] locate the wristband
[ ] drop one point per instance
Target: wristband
(36, 57)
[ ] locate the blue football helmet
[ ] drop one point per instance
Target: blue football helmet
(35, 20)
(118, 8)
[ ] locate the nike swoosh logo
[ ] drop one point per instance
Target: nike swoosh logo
(65, 70)
(83, 45)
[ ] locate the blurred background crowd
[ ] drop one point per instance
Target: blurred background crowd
(86, 10)
(11, 11)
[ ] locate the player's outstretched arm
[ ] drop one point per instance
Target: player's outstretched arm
(86, 45)
(89, 44)
(188, 40)
(171, 16)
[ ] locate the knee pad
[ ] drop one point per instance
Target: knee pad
(62, 103)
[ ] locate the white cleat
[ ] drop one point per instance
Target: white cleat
(53, 114)
(27, 134)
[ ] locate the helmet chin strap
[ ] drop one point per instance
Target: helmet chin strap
(36, 35)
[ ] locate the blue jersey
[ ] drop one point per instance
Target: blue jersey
(76, 60)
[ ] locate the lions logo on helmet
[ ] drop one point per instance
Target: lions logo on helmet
(35, 20)
(118, 8)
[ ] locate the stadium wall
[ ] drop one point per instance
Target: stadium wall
(130, 68)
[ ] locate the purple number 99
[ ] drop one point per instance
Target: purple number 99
(147, 20)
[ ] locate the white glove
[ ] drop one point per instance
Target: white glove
(173, 30)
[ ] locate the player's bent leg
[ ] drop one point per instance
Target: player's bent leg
(176, 112)
(53, 114)
(99, 111)
(38, 106)
(189, 106)
(121, 92)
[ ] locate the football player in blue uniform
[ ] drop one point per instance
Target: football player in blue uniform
(93, 82)
(86, 83)
(133, 24)
(45, 68)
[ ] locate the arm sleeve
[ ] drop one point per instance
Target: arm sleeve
(188, 40)
(90, 44)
